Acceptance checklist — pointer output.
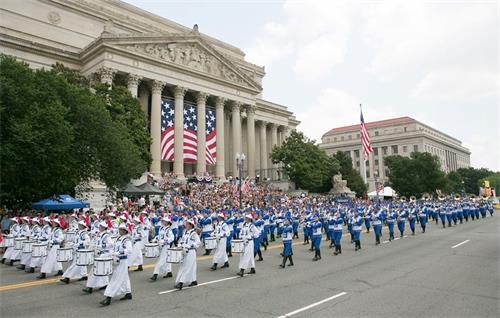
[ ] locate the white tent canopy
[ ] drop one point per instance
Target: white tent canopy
(388, 192)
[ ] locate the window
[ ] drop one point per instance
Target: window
(376, 162)
(367, 173)
(349, 137)
(375, 151)
(406, 129)
(348, 153)
(384, 150)
(335, 139)
(415, 148)
(405, 149)
(367, 163)
(357, 163)
(342, 138)
(356, 153)
(376, 133)
(394, 149)
(357, 136)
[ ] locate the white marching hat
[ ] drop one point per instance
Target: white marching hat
(166, 219)
(220, 214)
(192, 221)
(123, 226)
(249, 216)
(103, 224)
(82, 222)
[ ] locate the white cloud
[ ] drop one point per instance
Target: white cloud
(336, 108)
(457, 84)
(484, 154)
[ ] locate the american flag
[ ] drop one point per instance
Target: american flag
(211, 134)
(167, 129)
(365, 138)
(190, 137)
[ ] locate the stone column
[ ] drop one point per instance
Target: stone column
(156, 90)
(263, 149)
(219, 126)
(353, 159)
(274, 142)
(179, 132)
(201, 163)
(251, 141)
(236, 122)
(133, 83)
(106, 74)
(381, 165)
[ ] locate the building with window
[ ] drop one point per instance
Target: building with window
(397, 136)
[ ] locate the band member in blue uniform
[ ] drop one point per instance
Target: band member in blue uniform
(391, 219)
(337, 232)
(402, 221)
(295, 225)
(442, 216)
(357, 224)
(377, 226)
(412, 218)
(286, 237)
(316, 237)
(331, 225)
(423, 219)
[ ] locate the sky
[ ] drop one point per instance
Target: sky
(435, 61)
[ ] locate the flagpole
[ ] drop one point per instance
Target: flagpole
(365, 179)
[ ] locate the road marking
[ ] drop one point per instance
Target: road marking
(313, 305)
(466, 241)
(199, 285)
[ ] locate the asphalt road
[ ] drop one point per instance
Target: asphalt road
(426, 275)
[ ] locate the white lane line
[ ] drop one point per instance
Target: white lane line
(460, 243)
(313, 305)
(199, 285)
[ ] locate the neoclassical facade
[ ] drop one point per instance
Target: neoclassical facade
(156, 59)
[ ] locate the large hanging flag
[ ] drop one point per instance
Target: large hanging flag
(365, 137)
(190, 137)
(167, 129)
(211, 134)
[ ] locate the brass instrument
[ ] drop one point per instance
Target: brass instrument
(413, 199)
(402, 199)
(426, 196)
(457, 197)
(473, 198)
(441, 197)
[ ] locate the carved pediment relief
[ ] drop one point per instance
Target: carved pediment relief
(192, 55)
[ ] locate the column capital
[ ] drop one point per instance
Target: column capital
(157, 87)
(236, 106)
(180, 91)
(263, 123)
(133, 79)
(250, 109)
(201, 97)
(106, 73)
(219, 102)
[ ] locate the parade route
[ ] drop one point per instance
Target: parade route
(417, 276)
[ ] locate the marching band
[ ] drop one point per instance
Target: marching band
(100, 248)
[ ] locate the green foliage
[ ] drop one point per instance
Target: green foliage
(494, 180)
(468, 179)
(55, 133)
(420, 173)
(354, 180)
(308, 166)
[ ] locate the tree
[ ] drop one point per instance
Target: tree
(494, 180)
(354, 180)
(308, 166)
(55, 134)
(415, 175)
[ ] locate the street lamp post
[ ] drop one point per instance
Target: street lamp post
(240, 159)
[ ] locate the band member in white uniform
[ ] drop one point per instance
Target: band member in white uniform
(43, 237)
(139, 237)
(247, 234)
(190, 241)
(36, 231)
(221, 233)
(165, 239)
(120, 281)
(51, 264)
(25, 232)
(103, 246)
(15, 231)
(82, 241)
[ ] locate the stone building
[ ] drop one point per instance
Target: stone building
(397, 136)
(158, 59)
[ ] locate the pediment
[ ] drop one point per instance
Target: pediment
(187, 52)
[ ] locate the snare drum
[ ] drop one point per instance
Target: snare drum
(151, 250)
(84, 257)
(103, 266)
(175, 255)
(28, 246)
(70, 236)
(39, 250)
(237, 246)
(9, 241)
(210, 243)
(18, 243)
(64, 254)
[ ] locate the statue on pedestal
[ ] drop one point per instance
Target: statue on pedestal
(340, 187)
